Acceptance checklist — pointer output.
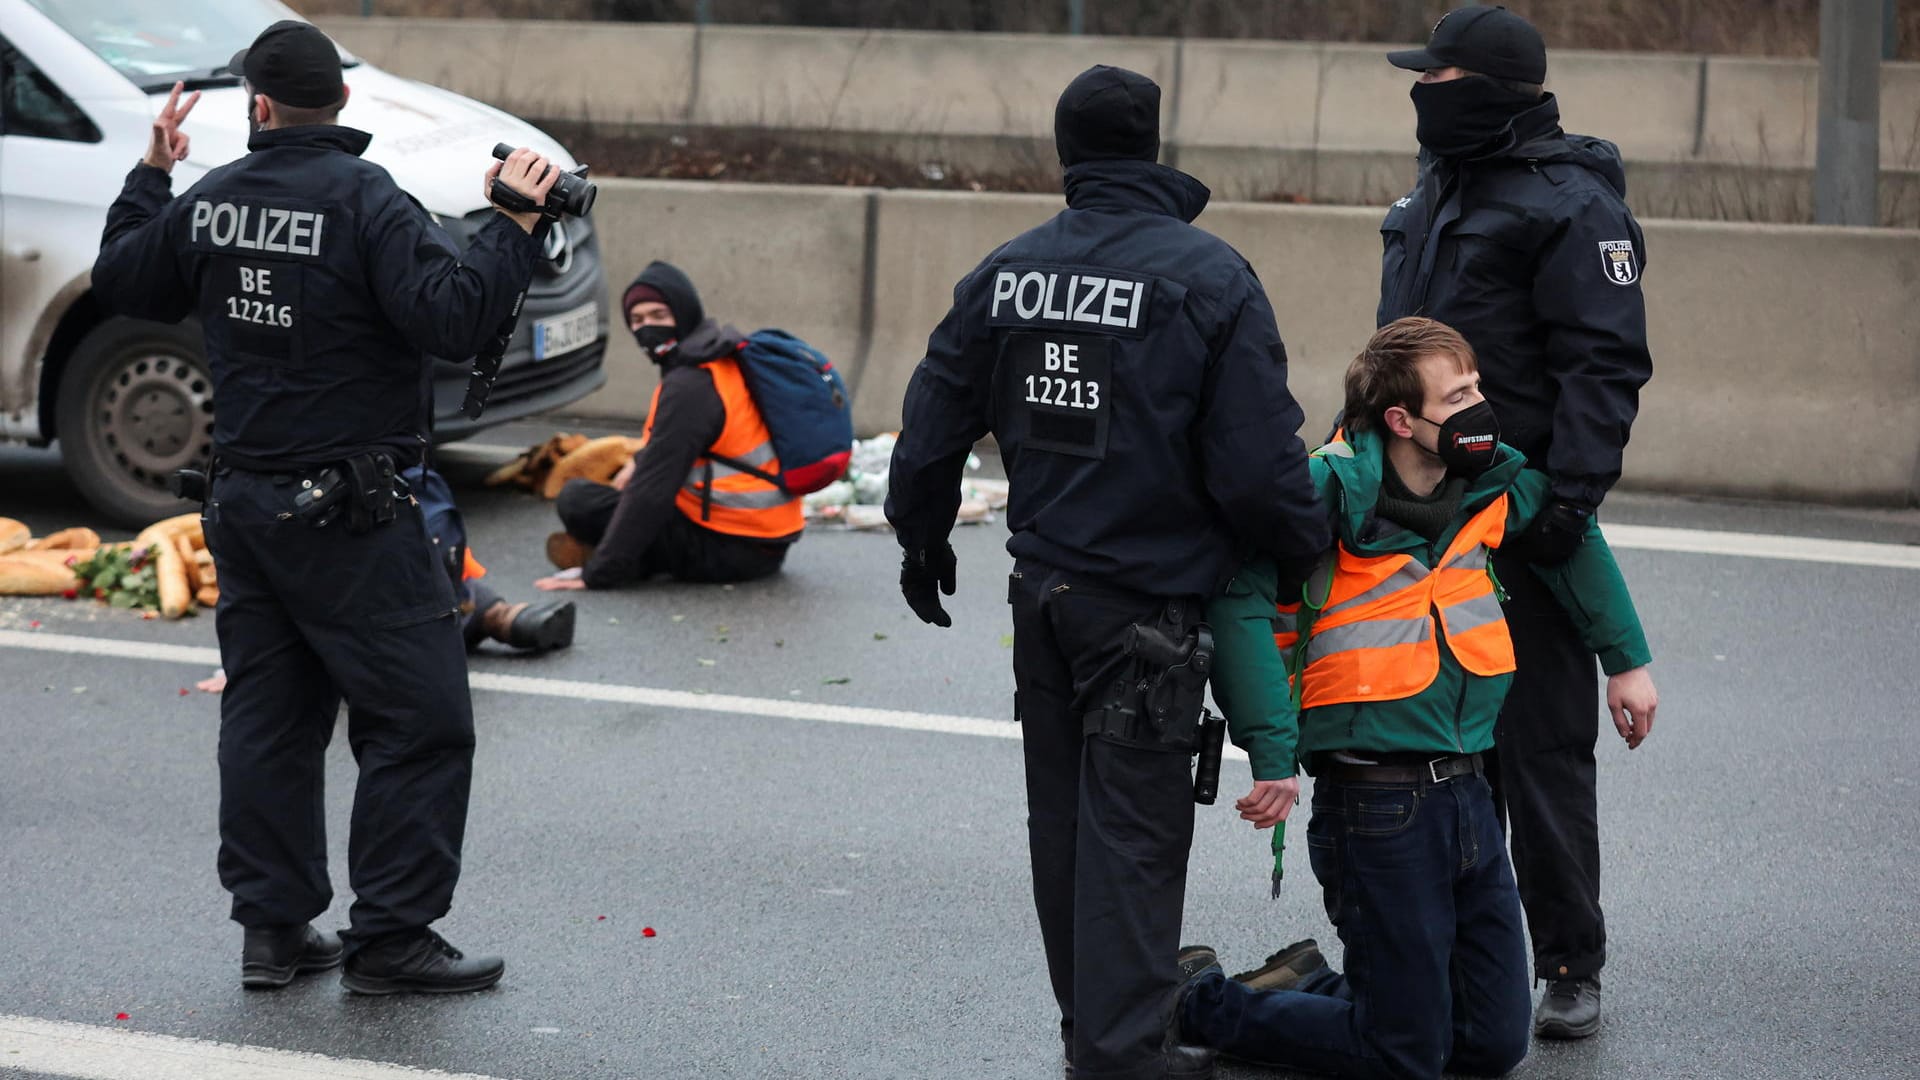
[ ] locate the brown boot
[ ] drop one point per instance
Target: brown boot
(566, 552)
(1285, 968)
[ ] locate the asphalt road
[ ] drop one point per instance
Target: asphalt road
(834, 900)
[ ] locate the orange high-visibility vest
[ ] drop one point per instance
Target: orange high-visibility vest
(1373, 636)
(722, 497)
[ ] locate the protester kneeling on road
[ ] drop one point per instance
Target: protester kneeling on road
(1391, 723)
(683, 506)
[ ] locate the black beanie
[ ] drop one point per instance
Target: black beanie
(1108, 113)
(676, 291)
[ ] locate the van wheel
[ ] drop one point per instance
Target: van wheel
(136, 403)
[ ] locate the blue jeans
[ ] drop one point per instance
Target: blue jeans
(1417, 882)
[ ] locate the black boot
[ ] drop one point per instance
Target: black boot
(1570, 1009)
(419, 963)
(542, 627)
(271, 956)
(1185, 1061)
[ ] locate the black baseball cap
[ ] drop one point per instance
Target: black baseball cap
(1486, 40)
(293, 63)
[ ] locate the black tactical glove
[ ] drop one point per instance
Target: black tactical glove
(1555, 535)
(920, 572)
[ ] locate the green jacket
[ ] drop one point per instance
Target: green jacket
(1454, 715)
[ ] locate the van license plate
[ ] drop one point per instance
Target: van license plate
(566, 332)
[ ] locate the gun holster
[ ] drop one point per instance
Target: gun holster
(189, 484)
(367, 488)
(1159, 704)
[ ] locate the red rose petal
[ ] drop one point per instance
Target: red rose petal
(34, 625)
(647, 931)
(600, 918)
(184, 691)
(121, 1016)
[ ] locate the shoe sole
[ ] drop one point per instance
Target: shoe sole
(378, 987)
(557, 632)
(262, 977)
(1565, 1032)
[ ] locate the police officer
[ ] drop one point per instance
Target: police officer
(321, 287)
(1517, 235)
(1129, 367)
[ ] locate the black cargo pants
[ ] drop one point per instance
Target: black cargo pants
(1543, 776)
(307, 617)
(1109, 825)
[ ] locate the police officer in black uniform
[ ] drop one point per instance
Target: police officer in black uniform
(1517, 234)
(322, 287)
(1129, 367)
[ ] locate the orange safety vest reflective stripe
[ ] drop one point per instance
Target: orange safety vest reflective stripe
(1373, 636)
(722, 497)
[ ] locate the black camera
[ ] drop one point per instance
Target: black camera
(572, 193)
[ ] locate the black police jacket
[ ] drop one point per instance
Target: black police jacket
(321, 286)
(1129, 367)
(1530, 252)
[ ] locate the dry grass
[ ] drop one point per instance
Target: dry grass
(1749, 27)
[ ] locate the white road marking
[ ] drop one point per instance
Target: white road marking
(102, 1053)
(479, 449)
(611, 693)
(1763, 546)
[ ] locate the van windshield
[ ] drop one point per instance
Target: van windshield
(156, 45)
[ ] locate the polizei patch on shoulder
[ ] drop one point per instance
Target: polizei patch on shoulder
(1617, 256)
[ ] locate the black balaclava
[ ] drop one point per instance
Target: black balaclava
(1106, 114)
(1461, 116)
(675, 290)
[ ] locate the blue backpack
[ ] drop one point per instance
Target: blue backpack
(805, 405)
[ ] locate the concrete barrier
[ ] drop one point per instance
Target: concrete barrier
(903, 82)
(1785, 357)
(1317, 119)
(762, 255)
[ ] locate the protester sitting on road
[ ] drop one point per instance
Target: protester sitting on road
(1392, 725)
(676, 508)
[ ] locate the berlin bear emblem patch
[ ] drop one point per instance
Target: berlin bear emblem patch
(1617, 257)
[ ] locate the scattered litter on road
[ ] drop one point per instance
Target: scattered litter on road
(878, 636)
(841, 681)
(545, 1030)
(858, 502)
(704, 662)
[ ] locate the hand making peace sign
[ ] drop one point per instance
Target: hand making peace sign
(169, 143)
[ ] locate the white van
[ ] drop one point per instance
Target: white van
(131, 401)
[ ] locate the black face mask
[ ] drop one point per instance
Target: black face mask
(1460, 116)
(658, 342)
(1468, 439)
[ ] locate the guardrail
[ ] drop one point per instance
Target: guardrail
(1787, 358)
